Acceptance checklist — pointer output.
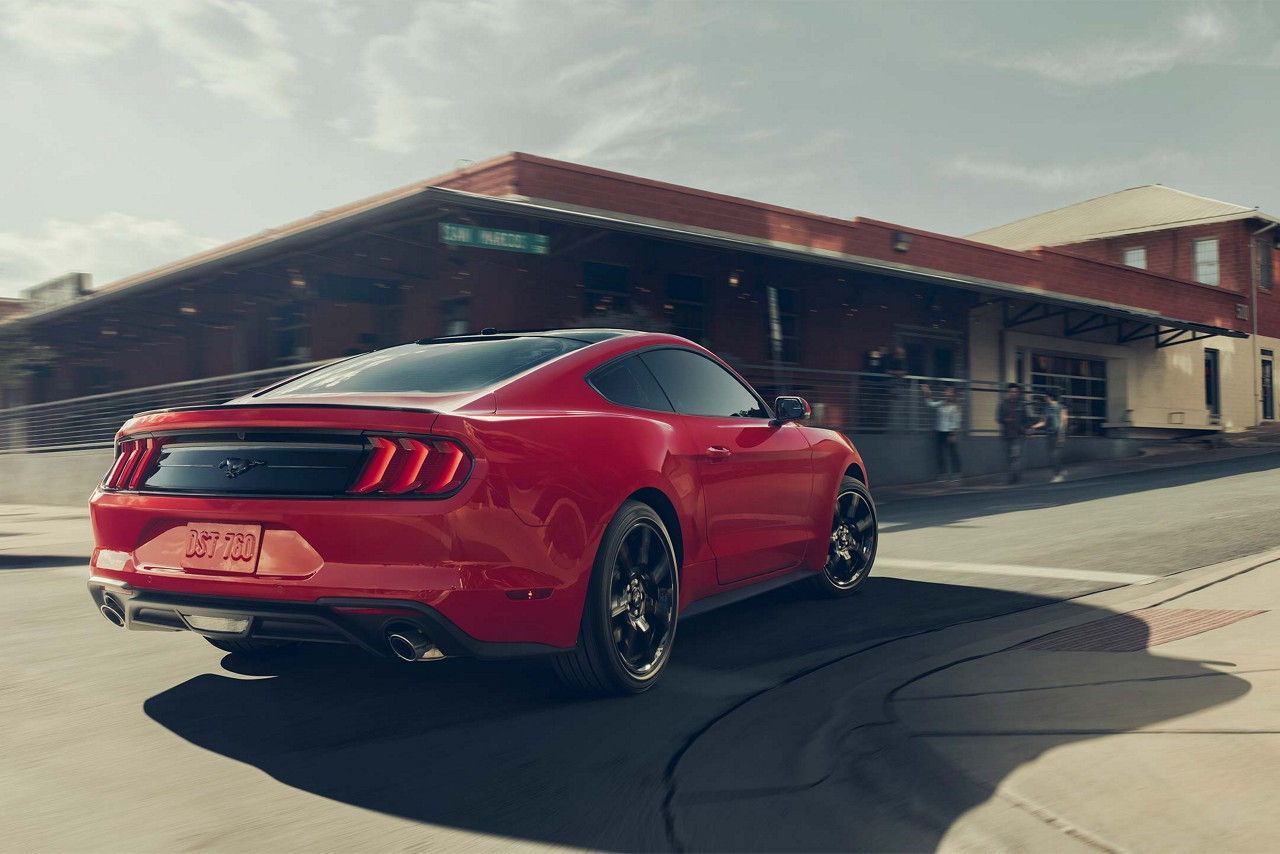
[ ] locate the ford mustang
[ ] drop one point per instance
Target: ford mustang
(571, 494)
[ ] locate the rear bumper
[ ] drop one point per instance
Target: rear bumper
(362, 622)
(468, 559)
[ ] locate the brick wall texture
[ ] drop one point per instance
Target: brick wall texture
(1086, 271)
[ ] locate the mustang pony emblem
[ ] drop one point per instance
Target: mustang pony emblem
(236, 466)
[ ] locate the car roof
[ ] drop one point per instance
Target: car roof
(590, 336)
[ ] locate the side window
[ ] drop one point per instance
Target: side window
(627, 382)
(698, 386)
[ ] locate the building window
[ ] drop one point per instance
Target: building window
(1206, 260)
(606, 289)
(1266, 264)
(784, 322)
(455, 316)
(1081, 384)
(1136, 256)
(683, 305)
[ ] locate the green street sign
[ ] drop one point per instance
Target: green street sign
(455, 234)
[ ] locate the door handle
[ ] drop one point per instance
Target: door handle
(716, 453)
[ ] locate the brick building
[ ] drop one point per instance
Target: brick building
(794, 299)
(1190, 238)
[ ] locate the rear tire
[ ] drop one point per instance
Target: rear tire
(851, 551)
(629, 617)
(249, 646)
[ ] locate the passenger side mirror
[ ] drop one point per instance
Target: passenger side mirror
(790, 409)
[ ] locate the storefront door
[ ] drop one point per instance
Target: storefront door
(1212, 395)
(1268, 386)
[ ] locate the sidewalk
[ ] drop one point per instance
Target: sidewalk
(34, 535)
(1154, 458)
(1142, 718)
(1157, 729)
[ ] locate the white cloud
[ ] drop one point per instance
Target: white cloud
(69, 31)
(1199, 36)
(635, 113)
(337, 17)
(1064, 176)
(565, 79)
(111, 246)
(233, 48)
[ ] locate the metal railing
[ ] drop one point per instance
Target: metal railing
(852, 401)
(860, 402)
(92, 421)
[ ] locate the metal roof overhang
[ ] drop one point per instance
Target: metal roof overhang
(1165, 330)
(1078, 312)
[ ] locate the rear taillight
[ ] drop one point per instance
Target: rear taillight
(405, 466)
(135, 460)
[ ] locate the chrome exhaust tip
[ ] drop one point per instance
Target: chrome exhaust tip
(410, 644)
(112, 611)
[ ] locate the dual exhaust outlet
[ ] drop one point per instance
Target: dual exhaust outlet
(407, 643)
(113, 611)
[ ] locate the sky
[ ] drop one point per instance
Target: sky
(136, 132)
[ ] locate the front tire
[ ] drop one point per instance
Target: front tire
(629, 618)
(851, 551)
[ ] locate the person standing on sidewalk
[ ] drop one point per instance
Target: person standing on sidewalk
(1054, 424)
(946, 431)
(899, 398)
(873, 407)
(1013, 420)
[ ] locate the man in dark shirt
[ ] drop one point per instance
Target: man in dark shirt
(1013, 420)
(897, 399)
(873, 406)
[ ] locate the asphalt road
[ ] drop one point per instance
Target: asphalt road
(112, 740)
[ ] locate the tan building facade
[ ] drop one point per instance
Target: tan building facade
(1219, 384)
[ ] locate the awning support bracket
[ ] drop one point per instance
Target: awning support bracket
(1170, 337)
(1033, 313)
(1137, 333)
(1091, 323)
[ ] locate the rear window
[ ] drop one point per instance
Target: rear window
(444, 367)
(627, 382)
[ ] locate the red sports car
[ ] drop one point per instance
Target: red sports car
(569, 493)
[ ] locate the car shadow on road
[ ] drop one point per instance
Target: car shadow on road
(946, 509)
(899, 777)
(497, 747)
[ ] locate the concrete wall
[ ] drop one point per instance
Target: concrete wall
(68, 477)
(1148, 388)
(910, 458)
(59, 477)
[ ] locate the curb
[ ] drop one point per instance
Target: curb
(897, 493)
(907, 753)
(847, 743)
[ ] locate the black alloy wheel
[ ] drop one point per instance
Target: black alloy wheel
(851, 551)
(629, 621)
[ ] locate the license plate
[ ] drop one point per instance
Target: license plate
(222, 548)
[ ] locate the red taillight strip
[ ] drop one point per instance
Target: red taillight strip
(126, 470)
(402, 466)
(447, 471)
(410, 474)
(151, 447)
(112, 480)
(376, 468)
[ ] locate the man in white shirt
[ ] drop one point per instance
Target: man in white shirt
(1054, 423)
(946, 431)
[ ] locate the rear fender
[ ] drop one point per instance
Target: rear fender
(568, 474)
